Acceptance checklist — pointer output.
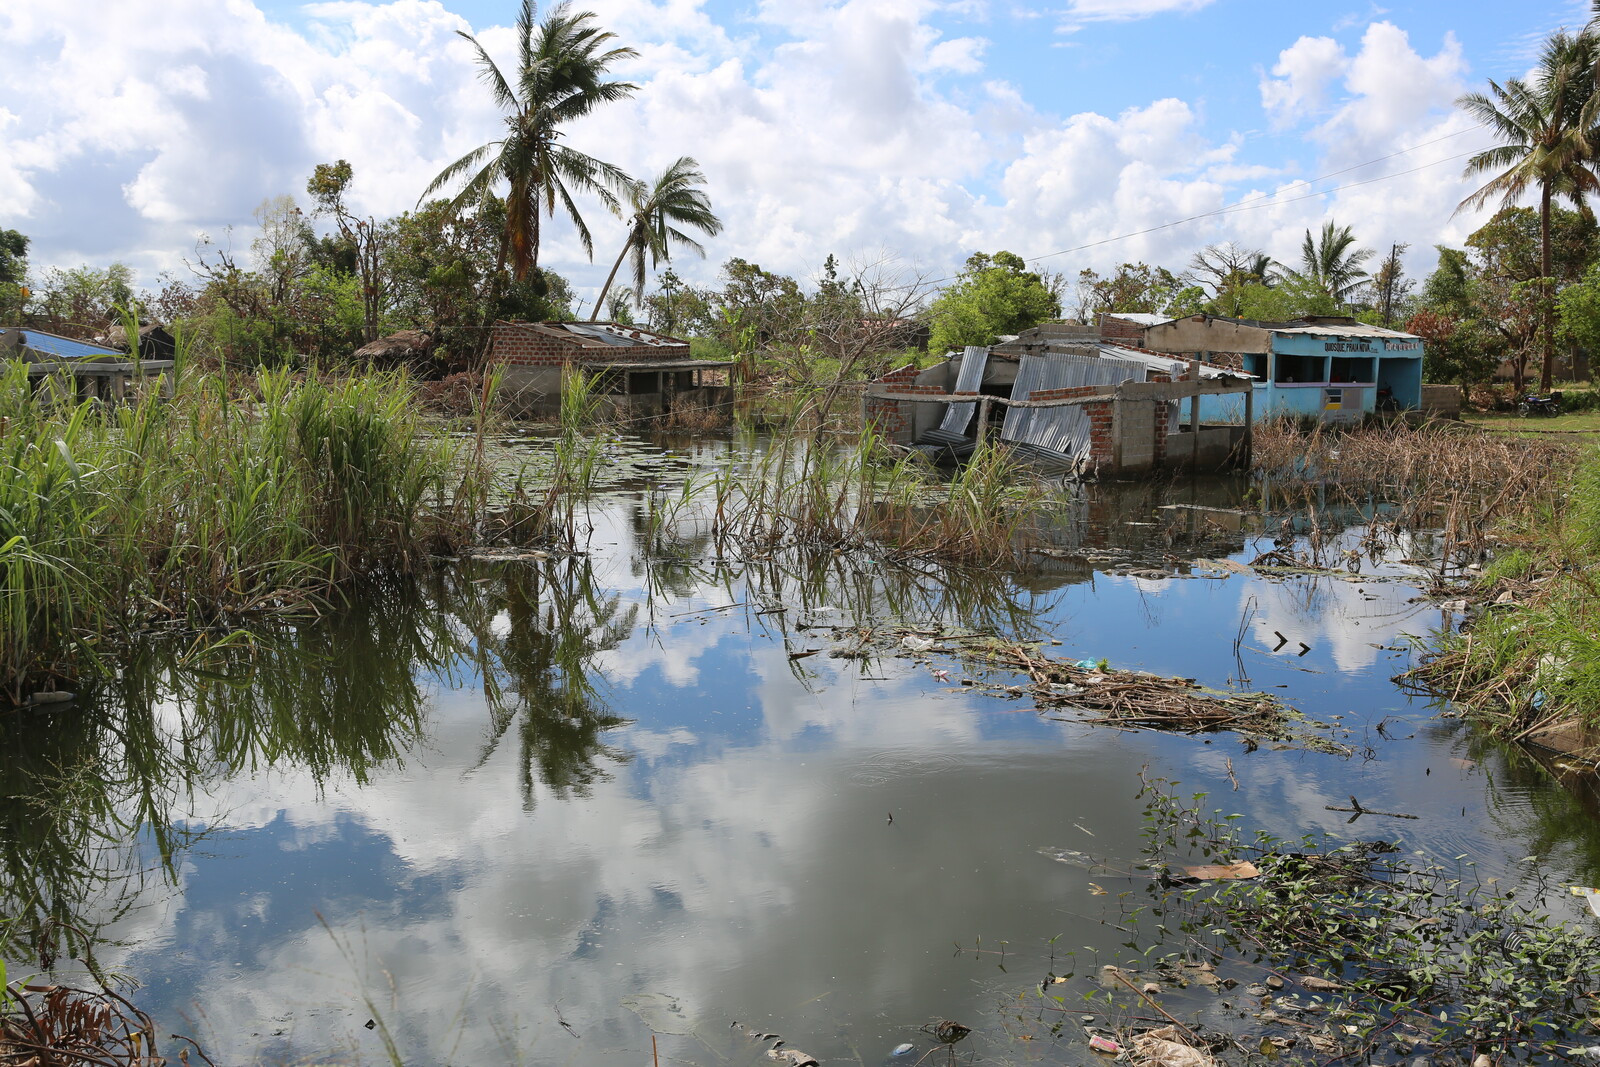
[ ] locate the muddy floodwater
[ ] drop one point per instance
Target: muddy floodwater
(540, 809)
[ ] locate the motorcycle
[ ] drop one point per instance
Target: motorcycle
(1533, 404)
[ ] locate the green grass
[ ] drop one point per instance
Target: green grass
(1530, 665)
(1507, 422)
(236, 496)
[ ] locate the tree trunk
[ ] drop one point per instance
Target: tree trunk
(1546, 372)
(600, 301)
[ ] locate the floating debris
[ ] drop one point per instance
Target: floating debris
(1122, 697)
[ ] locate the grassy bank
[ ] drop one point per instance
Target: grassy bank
(231, 498)
(1527, 662)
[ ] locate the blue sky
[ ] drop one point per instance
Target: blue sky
(904, 133)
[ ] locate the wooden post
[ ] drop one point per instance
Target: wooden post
(1249, 425)
(1194, 416)
(983, 420)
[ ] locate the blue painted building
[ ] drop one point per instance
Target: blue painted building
(1328, 367)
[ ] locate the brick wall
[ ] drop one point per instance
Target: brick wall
(890, 417)
(1102, 429)
(1069, 393)
(1113, 328)
(523, 344)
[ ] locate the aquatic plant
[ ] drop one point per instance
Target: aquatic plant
(1371, 953)
(230, 498)
(805, 490)
(1445, 477)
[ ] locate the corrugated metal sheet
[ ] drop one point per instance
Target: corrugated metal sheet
(1063, 430)
(974, 358)
(64, 347)
(612, 335)
(1353, 329)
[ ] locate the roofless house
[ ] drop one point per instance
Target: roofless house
(1065, 400)
(1327, 367)
(636, 372)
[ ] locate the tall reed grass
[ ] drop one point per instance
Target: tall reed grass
(1529, 664)
(808, 491)
(1463, 482)
(206, 506)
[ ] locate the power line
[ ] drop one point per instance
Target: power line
(1253, 204)
(1270, 199)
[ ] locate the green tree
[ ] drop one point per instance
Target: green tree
(1291, 297)
(1458, 351)
(1135, 288)
(677, 308)
(560, 78)
(13, 276)
(993, 295)
(1227, 269)
(438, 265)
(328, 184)
(1578, 309)
(1333, 264)
(1391, 288)
(1448, 290)
(654, 212)
(82, 301)
(1543, 128)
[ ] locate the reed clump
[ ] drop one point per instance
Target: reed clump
(1465, 483)
(804, 491)
(202, 508)
(1527, 661)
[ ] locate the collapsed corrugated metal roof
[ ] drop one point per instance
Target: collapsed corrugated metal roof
(614, 334)
(1061, 432)
(49, 344)
(1165, 364)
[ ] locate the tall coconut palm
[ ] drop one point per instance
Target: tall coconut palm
(654, 211)
(560, 77)
(1543, 126)
(1333, 264)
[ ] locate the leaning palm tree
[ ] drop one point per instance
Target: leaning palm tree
(1543, 126)
(1333, 264)
(654, 212)
(561, 64)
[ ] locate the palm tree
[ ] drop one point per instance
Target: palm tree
(1331, 263)
(561, 63)
(1543, 127)
(654, 212)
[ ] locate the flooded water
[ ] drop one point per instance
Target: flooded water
(541, 810)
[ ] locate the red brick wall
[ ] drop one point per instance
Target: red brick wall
(890, 416)
(1115, 329)
(1101, 453)
(521, 344)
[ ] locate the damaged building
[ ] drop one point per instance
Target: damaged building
(1066, 400)
(1326, 367)
(635, 372)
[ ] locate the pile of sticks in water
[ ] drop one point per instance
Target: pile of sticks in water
(1132, 698)
(1122, 697)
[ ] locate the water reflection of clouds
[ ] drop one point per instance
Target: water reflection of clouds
(1340, 620)
(676, 882)
(742, 861)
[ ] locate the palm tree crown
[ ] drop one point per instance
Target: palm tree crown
(1332, 264)
(1543, 127)
(654, 212)
(561, 64)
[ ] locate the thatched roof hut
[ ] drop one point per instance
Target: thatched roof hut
(407, 346)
